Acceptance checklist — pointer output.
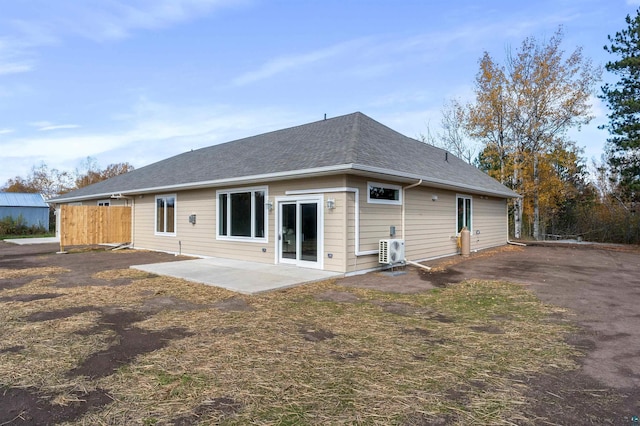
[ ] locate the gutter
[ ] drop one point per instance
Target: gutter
(438, 183)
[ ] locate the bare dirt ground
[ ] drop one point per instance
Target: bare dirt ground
(600, 287)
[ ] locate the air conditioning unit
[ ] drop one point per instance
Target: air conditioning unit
(391, 251)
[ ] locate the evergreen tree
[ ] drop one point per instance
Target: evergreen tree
(623, 99)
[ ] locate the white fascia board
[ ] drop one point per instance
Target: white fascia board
(440, 183)
(292, 174)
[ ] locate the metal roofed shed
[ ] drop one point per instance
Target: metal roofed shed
(31, 208)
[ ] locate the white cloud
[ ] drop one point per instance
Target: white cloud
(5, 131)
(47, 125)
(117, 19)
(101, 20)
(14, 68)
(169, 130)
(290, 62)
(59, 126)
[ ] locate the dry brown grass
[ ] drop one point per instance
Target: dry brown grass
(115, 274)
(19, 273)
(454, 355)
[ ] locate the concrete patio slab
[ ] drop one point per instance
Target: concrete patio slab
(239, 276)
(25, 241)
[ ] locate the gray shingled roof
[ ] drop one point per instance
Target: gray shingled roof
(349, 143)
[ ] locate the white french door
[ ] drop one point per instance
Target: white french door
(300, 232)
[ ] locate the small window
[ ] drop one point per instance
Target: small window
(104, 203)
(379, 193)
(166, 215)
(463, 206)
(241, 214)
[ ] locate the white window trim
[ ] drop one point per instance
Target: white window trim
(104, 203)
(398, 188)
(230, 191)
(467, 197)
(175, 216)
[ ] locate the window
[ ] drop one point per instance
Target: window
(241, 214)
(463, 206)
(166, 215)
(379, 193)
(104, 203)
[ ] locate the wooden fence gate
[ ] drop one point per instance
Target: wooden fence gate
(85, 225)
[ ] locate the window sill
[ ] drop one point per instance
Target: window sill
(242, 239)
(165, 234)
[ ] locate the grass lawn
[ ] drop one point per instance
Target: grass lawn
(316, 354)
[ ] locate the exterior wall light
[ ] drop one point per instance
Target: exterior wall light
(269, 205)
(331, 204)
(434, 197)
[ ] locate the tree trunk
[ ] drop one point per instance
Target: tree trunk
(536, 199)
(517, 207)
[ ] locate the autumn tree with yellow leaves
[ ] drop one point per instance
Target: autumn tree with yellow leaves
(522, 112)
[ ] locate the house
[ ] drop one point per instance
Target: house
(320, 195)
(30, 208)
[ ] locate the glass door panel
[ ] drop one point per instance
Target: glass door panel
(289, 231)
(309, 232)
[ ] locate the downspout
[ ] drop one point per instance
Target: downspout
(403, 201)
(403, 224)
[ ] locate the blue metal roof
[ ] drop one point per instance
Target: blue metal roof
(19, 199)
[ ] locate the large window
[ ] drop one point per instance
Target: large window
(241, 214)
(165, 215)
(463, 205)
(379, 193)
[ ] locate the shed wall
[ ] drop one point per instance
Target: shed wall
(33, 216)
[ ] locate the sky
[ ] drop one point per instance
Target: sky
(141, 80)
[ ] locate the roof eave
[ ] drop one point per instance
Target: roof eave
(436, 183)
(291, 174)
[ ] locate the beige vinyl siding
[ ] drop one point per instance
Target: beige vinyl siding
(375, 223)
(376, 219)
(490, 223)
(200, 239)
(335, 238)
(350, 217)
(112, 202)
(430, 233)
(430, 224)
